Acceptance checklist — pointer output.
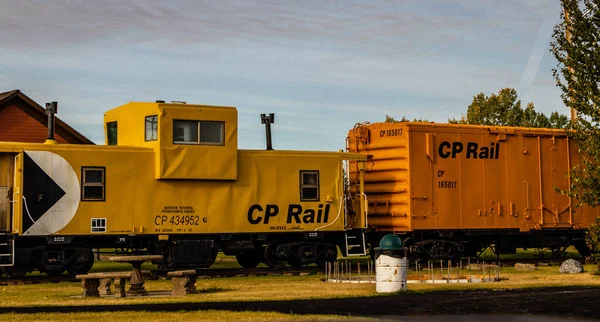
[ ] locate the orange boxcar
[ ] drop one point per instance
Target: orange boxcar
(452, 190)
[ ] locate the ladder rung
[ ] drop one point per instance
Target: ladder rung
(5, 254)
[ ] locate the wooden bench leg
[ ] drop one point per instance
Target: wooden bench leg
(104, 287)
(120, 287)
(90, 287)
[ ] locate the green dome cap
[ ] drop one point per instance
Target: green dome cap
(390, 242)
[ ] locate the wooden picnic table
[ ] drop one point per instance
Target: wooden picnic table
(136, 283)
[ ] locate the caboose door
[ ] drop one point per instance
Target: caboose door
(6, 188)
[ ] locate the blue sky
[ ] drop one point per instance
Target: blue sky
(320, 66)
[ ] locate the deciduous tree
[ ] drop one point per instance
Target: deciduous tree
(389, 119)
(575, 45)
(505, 109)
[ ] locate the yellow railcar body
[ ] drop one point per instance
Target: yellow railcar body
(145, 183)
(171, 181)
(265, 197)
(428, 176)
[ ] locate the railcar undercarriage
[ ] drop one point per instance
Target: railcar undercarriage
(446, 245)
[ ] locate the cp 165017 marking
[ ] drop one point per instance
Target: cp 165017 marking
(447, 184)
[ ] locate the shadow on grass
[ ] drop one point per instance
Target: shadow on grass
(553, 301)
(213, 290)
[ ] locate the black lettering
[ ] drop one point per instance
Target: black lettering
(320, 213)
(492, 151)
(272, 211)
(382, 133)
(497, 150)
(294, 211)
(326, 218)
(484, 152)
(251, 218)
(457, 148)
(441, 152)
(156, 220)
(309, 216)
(472, 150)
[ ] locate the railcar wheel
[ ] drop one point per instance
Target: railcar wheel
(273, 256)
(327, 255)
(57, 272)
(248, 259)
(294, 262)
(81, 261)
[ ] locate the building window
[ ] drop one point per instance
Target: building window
(93, 181)
(309, 185)
(151, 128)
(198, 132)
(111, 133)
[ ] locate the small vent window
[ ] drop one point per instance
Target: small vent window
(93, 184)
(198, 132)
(151, 128)
(111, 133)
(309, 185)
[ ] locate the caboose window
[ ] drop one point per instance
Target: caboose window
(212, 133)
(309, 185)
(111, 133)
(92, 183)
(151, 128)
(198, 132)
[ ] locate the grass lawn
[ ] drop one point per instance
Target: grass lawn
(236, 289)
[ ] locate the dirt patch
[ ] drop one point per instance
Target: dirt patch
(581, 302)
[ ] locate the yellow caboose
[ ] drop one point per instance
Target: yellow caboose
(171, 181)
(457, 189)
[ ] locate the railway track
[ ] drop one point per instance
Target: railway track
(208, 272)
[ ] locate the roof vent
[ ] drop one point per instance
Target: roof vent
(160, 101)
(178, 102)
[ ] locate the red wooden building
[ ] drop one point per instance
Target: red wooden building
(23, 120)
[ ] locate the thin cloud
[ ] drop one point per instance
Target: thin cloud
(327, 64)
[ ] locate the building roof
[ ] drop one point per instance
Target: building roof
(37, 112)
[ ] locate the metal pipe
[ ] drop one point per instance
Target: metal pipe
(267, 121)
(51, 109)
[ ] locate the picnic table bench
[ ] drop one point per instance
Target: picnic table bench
(183, 282)
(97, 284)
